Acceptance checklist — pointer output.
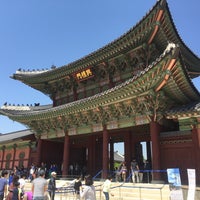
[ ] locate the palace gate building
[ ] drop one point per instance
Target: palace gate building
(138, 88)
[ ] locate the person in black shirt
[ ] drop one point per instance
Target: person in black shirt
(77, 185)
(147, 172)
(52, 185)
(16, 191)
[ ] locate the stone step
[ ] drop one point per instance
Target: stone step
(125, 191)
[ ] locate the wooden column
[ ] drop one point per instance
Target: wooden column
(14, 153)
(39, 148)
(3, 155)
(29, 155)
(91, 154)
(155, 133)
(66, 155)
(111, 155)
(129, 149)
(105, 152)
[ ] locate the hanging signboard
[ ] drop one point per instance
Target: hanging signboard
(174, 180)
(84, 74)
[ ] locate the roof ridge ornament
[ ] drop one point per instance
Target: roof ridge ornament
(169, 47)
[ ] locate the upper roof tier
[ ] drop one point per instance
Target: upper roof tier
(156, 27)
(146, 72)
(165, 77)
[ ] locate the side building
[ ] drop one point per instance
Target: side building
(16, 149)
(136, 89)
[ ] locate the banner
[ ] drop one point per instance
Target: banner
(174, 180)
(192, 184)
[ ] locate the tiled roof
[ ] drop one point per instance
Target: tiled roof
(191, 108)
(102, 98)
(14, 135)
(18, 110)
(113, 49)
(118, 157)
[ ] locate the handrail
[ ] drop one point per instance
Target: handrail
(97, 174)
(140, 187)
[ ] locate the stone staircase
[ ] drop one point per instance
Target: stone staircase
(121, 191)
(130, 191)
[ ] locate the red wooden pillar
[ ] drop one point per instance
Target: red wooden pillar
(111, 155)
(91, 154)
(14, 153)
(66, 155)
(105, 151)
(29, 155)
(39, 148)
(128, 149)
(196, 147)
(155, 133)
(3, 155)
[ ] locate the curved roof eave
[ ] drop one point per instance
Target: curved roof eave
(98, 55)
(184, 112)
(185, 49)
(118, 93)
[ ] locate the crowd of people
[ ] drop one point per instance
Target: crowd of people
(12, 186)
(137, 173)
(12, 183)
(42, 188)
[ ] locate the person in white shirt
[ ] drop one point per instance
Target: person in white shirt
(22, 181)
(106, 187)
(88, 191)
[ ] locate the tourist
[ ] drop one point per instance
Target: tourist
(16, 193)
(3, 184)
(71, 169)
(88, 191)
(53, 168)
(135, 171)
(107, 187)
(12, 186)
(123, 172)
(77, 185)
(22, 183)
(147, 172)
(39, 186)
(141, 170)
(117, 174)
(10, 179)
(52, 185)
(43, 167)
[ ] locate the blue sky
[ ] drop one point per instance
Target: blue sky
(37, 34)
